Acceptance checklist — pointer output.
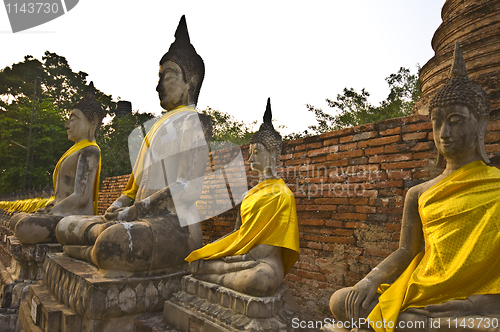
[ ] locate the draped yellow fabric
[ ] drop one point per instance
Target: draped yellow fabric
(268, 216)
(25, 205)
(77, 147)
(132, 187)
(461, 226)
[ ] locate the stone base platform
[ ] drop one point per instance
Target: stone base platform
(24, 269)
(74, 296)
(207, 307)
(152, 323)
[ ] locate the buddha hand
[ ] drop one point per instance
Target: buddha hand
(452, 308)
(124, 214)
(360, 295)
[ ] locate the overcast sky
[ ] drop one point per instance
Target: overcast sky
(295, 52)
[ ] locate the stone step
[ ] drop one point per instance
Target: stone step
(84, 289)
(152, 323)
(47, 313)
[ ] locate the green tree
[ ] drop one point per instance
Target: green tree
(57, 89)
(353, 109)
(225, 128)
(113, 141)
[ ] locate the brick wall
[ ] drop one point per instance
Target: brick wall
(110, 190)
(349, 186)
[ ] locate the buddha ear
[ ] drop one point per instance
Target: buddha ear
(481, 133)
(94, 127)
(194, 84)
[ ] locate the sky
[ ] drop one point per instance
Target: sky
(295, 52)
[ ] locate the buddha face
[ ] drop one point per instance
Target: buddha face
(79, 127)
(260, 158)
(455, 131)
(172, 90)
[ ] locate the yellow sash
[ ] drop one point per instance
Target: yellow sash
(269, 217)
(461, 226)
(77, 147)
(132, 186)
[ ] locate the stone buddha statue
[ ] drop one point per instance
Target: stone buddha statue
(265, 244)
(76, 176)
(456, 216)
(154, 224)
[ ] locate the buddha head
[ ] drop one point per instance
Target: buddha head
(459, 113)
(85, 117)
(181, 72)
(265, 146)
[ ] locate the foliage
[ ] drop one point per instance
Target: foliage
(353, 109)
(225, 128)
(57, 89)
(113, 141)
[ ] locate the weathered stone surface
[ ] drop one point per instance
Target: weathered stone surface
(81, 287)
(211, 307)
(476, 25)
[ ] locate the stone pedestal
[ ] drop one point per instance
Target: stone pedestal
(207, 307)
(24, 269)
(74, 296)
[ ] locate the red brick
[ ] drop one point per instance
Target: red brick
(334, 223)
(414, 136)
(390, 210)
(333, 247)
(345, 155)
(492, 137)
(378, 252)
(346, 139)
(421, 175)
(366, 209)
(424, 155)
(344, 232)
(344, 239)
(417, 127)
(348, 146)
(405, 164)
(293, 277)
(354, 224)
(391, 131)
(310, 237)
(391, 157)
(494, 125)
(358, 201)
(324, 207)
(492, 148)
(396, 148)
(332, 141)
(334, 200)
(379, 141)
(393, 227)
(315, 145)
(314, 245)
(337, 163)
(310, 275)
(300, 147)
(315, 152)
(365, 135)
(315, 222)
(364, 127)
(423, 146)
(372, 151)
(399, 175)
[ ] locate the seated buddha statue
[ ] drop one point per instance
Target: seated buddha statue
(154, 224)
(75, 177)
(456, 215)
(265, 244)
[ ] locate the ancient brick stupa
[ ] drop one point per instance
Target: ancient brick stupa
(476, 25)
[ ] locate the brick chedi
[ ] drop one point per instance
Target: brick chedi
(476, 25)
